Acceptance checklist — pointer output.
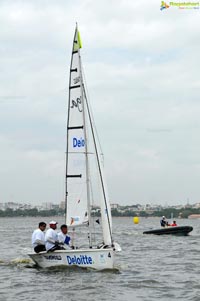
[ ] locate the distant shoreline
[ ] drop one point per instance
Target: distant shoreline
(169, 213)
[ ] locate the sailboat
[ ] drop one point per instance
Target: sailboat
(85, 183)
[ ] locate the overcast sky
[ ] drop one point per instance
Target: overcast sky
(142, 69)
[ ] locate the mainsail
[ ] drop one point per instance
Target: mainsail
(83, 154)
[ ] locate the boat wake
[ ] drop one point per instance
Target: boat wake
(16, 261)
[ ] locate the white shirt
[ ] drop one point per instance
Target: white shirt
(38, 238)
(50, 238)
(62, 237)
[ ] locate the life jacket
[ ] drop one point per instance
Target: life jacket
(162, 223)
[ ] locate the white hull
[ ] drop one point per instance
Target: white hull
(98, 259)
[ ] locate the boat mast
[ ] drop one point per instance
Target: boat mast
(86, 151)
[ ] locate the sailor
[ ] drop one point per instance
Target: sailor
(51, 238)
(163, 222)
(38, 238)
(62, 235)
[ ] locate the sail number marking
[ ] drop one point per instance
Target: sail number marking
(77, 104)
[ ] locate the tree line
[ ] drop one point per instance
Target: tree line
(31, 212)
(168, 212)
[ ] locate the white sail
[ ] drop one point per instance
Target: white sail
(82, 151)
(76, 182)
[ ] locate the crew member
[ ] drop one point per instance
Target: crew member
(163, 222)
(62, 235)
(38, 238)
(51, 238)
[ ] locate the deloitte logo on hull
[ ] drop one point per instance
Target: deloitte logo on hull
(82, 259)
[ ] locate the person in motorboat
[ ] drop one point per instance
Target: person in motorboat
(51, 238)
(163, 222)
(38, 238)
(63, 238)
(174, 224)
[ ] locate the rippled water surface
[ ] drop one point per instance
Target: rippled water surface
(148, 268)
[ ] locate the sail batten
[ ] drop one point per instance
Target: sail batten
(74, 87)
(74, 176)
(75, 127)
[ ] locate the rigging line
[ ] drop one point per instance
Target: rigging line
(93, 238)
(98, 161)
(86, 147)
(91, 112)
(93, 129)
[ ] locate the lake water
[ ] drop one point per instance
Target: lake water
(149, 267)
